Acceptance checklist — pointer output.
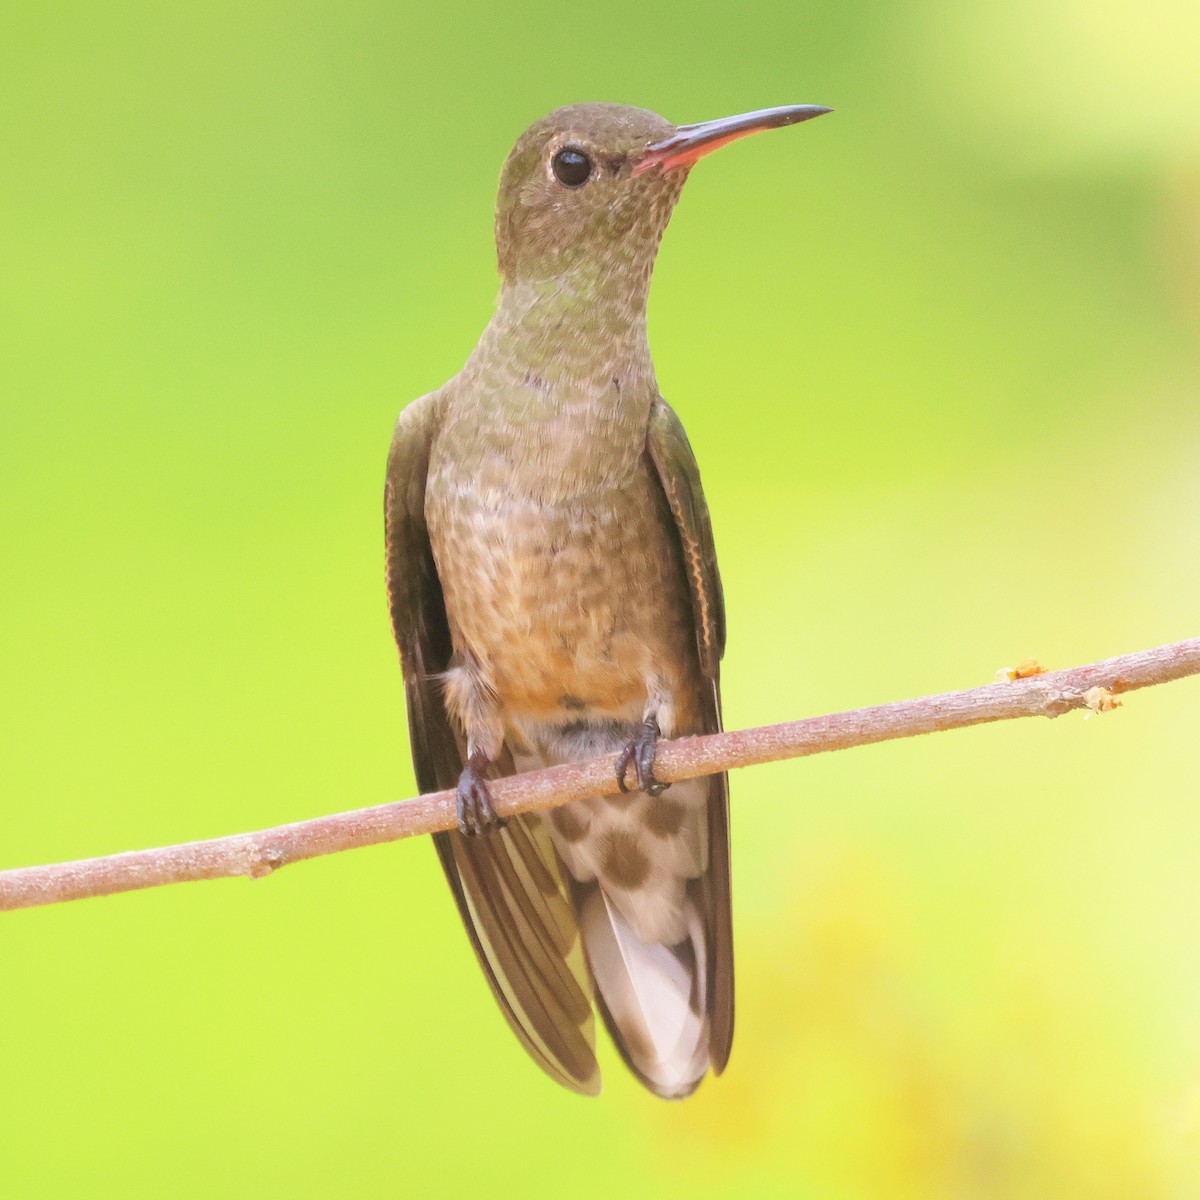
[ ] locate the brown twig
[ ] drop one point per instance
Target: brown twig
(258, 854)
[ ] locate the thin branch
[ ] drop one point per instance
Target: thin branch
(258, 854)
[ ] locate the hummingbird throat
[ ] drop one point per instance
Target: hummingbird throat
(580, 323)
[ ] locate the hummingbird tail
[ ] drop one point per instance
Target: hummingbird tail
(651, 997)
(645, 876)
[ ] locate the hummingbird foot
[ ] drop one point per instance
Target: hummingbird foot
(639, 754)
(476, 812)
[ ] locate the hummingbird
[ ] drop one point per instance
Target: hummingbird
(554, 595)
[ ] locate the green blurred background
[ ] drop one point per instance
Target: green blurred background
(939, 356)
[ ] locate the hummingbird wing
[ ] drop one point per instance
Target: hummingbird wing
(675, 464)
(509, 892)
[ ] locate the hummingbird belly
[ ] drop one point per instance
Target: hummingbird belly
(569, 609)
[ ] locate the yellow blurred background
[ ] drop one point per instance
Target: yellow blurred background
(939, 356)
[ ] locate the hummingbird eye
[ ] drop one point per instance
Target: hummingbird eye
(571, 167)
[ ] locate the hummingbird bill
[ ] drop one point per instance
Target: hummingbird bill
(554, 595)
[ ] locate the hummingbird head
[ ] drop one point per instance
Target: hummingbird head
(596, 183)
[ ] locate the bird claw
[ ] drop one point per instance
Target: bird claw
(639, 754)
(476, 812)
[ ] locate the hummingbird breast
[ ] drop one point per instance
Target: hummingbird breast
(563, 587)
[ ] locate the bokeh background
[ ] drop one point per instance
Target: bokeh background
(939, 356)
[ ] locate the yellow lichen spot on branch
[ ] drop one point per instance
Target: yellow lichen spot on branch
(1025, 669)
(1101, 699)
